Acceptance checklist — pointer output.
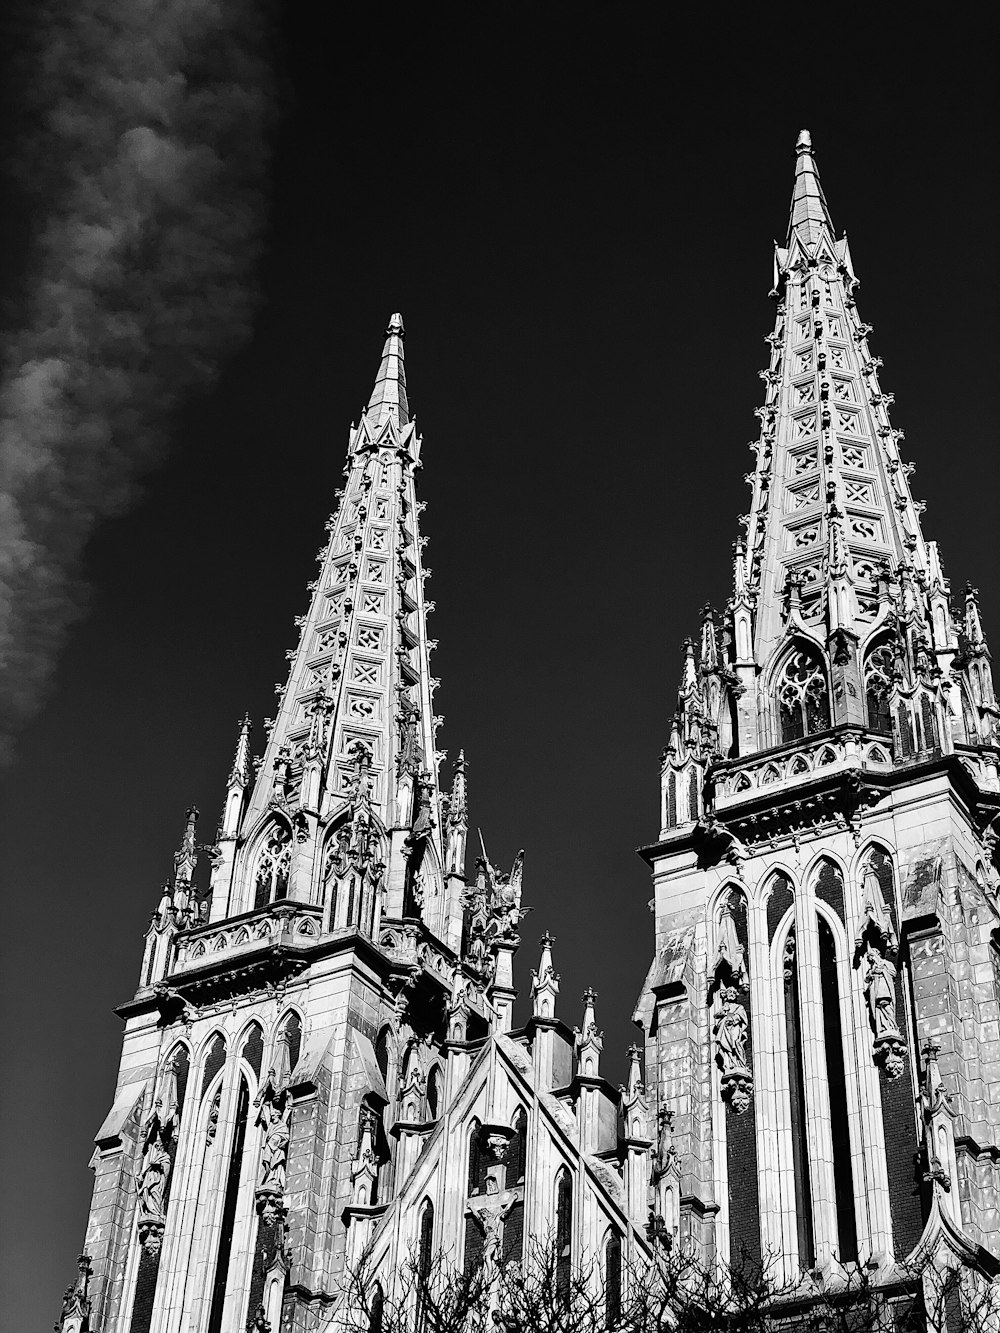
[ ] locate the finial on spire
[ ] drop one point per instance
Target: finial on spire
(810, 214)
(633, 1080)
(388, 400)
(545, 982)
(240, 773)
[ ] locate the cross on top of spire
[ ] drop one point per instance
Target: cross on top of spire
(809, 213)
(388, 398)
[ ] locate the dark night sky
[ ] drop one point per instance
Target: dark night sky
(575, 215)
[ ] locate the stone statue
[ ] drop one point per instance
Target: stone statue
(730, 1032)
(880, 991)
(274, 1154)
(152, 1185)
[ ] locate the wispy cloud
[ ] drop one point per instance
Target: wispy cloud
(149, 164)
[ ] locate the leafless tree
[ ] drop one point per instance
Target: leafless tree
(676, 1293)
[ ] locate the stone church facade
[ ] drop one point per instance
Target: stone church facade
(320, 1060)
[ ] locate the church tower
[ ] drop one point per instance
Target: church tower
(821, 1013)
(320, 979)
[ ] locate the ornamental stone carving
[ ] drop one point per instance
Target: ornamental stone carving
(730, 1031)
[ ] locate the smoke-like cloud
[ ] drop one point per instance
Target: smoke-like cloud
(145, 174)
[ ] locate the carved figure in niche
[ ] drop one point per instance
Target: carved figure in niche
(152, 1184)
(490, 1222)
(274, 1117)
(730, 1032)
(880, 992)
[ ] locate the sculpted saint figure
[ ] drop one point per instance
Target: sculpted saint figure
(274, 1154)
(153, 1180)
(730, 1032)
(880, 991)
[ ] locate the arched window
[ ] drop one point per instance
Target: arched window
(231, 1198)
(425, 1244)
(376, 1313)
(797, 1106)
(274, 862)
(214, 1061)
(564, 1234)
(292, 1031)
(803, 699)
(613, 1278)
(879, 668)
(477, 1160)
(253, 1048)
(434, 1093)
(517, 1153)
(671, 799)
(382, 1054)
(836, 1082)
(693, 794)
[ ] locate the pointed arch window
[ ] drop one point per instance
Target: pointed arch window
(477, 1160)
(613, 1278)
(797, 1105)
(517, 1153)
(879, 669)
(671, 821)
(214, 1061)
(291, 1034)
(434, 1093)
(231, 1200)
(564, 1234)
(803, 697)
(253, 1048)
(836, 1082)
(376, 1314)
(274, 862)
(425, 1244)
(382, 1055)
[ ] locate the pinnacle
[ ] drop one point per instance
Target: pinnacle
(809, 214)
(388, 400)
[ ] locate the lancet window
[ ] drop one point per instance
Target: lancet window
(232, 1192)
(803, 697)
(425, 1245)
(613, 1278)
(273, 866)
(836, 1082)
(879, 668)
(564, 1233)
(797, 1104)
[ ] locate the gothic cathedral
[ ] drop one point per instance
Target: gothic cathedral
(320, 1059)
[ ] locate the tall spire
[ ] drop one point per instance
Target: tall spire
(809, 213)
(354, 735)
(388, 398)
(829, 489)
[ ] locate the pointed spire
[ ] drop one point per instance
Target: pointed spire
(973, 620)
(186, 856)
(709, 639)
(589, 1013)
(239, 774)
(633, 1087)
(689, 672)
(545, 982)
(388, 400)
(589, 1041)
(809, 213)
